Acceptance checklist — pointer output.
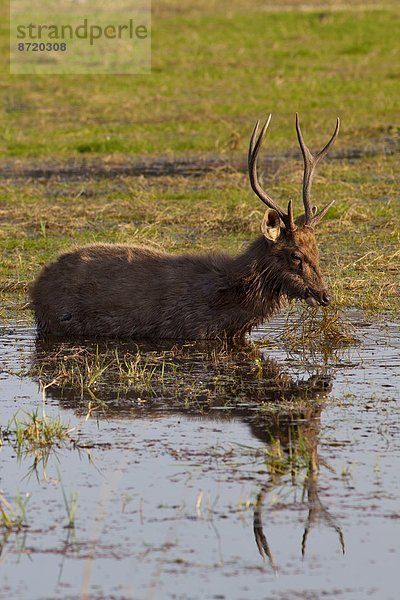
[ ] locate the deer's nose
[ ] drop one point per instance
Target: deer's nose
(326, 298)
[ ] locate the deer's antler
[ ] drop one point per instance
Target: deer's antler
(254, 149)
(316, 511)
(259, 535)
(312, 218)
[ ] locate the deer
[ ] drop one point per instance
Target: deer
(127, 291)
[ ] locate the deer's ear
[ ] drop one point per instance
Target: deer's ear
(271, 225)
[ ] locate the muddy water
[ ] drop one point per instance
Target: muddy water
(261, 474)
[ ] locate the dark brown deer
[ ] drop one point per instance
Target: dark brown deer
(128, 291)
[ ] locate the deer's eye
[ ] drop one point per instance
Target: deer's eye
(296, 257)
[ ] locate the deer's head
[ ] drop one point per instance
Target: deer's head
(292, 243)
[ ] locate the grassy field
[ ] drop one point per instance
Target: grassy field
(217, 67)
(213, 75)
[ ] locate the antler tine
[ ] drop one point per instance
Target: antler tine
(310, 163)
(318, 216)
(254, 149)
(292, 225)
(252, 141)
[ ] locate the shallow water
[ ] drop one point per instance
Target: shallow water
(188, 491)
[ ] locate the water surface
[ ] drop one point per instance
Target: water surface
(188, 490)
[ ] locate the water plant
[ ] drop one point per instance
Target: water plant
(71, 505)
(13, 517)
(35, 434)
(35, 431)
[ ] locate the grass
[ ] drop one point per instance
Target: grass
(312, 332)
(35, 432)
(88, 369)
(101, 375)
(38, 436)
(215, 71)
(293, 460)
(13, 517)
(71, 505)
(115, 378)
(359, 238)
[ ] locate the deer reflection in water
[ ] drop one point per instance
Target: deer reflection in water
(208, 381)
(301, 429)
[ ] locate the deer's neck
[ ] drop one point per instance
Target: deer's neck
(258, 280)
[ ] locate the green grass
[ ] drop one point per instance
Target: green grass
(35, 431)
(87, 370)
(71, 505)
(37, 436)
(213, 74)
(215, 71)
(294, 459)
(112, 378)
(13, 516)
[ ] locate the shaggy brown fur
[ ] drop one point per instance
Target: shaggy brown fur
(128, 291)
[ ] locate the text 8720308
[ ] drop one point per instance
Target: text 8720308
(42, 47)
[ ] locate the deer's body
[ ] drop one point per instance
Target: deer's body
(127, 291)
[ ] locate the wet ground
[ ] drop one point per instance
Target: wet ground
(260, 472)
(98, 168)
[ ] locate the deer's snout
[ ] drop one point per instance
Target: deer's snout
(326, 298)
(313, 298)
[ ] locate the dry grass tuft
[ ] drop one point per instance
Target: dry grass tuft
(311, 332)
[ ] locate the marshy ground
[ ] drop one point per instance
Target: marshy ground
(186, 470)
